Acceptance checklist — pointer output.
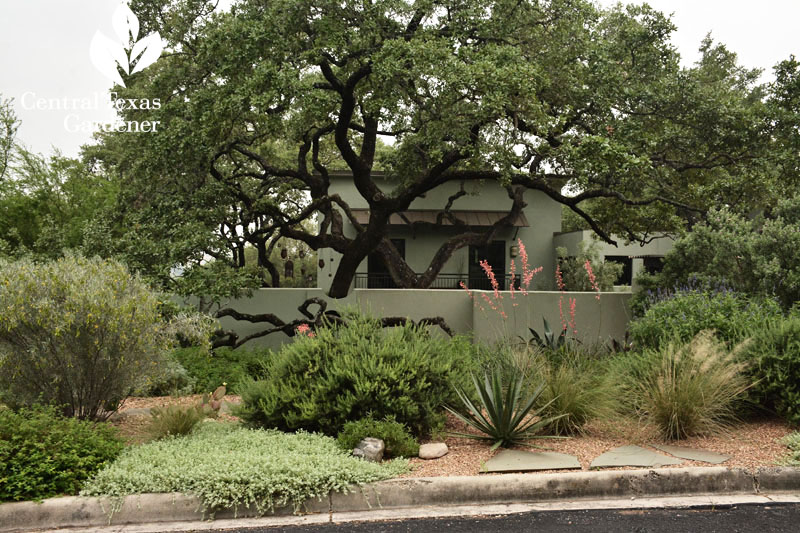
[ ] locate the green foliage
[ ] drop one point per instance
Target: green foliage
(575, 275)
(503, 415)
(684, 389)
(228, 466)
(48, 205)
(209, 370)
(346, 372)
(43, 454)
(577, 388)
(173, 420)
(548, 340)
(560, 98)
(682, 314)
(171, 379)
(176, 420)
(792, 441)
(773, 354)
(399, 442)
(758, 256)
(80, 333)
(9, 124)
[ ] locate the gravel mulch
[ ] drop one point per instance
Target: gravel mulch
(134, 428)
(750, 444)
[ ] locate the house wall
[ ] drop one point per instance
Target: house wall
(595, 319)
(543, 214)
(656, 248)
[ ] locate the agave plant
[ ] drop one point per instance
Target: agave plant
(549, 340)
(503, 416)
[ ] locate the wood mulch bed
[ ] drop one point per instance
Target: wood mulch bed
(750, 444)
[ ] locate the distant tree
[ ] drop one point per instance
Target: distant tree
(8, 131)
(756, 255)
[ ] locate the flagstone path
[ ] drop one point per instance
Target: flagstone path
(523, 461)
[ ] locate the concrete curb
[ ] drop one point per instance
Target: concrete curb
(76, 511)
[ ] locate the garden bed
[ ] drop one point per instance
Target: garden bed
(749, 444)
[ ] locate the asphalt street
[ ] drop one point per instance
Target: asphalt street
(729, 519)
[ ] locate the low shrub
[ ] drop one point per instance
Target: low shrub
(396, 437)
(209, 370)
(773, 355)
(346, 372)
(229, 466)
(171, 379)
(81, 333)
(680, 315)
(43, 454)
(792, 441)
(684, 389)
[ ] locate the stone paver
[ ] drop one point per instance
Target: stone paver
(521, 461)
(633, 456)
(692, 454)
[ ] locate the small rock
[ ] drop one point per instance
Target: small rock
(370, 449)
(432, 450)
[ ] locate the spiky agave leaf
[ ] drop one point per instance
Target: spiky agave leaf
(507, 419)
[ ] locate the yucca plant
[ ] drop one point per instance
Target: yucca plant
(503, 416)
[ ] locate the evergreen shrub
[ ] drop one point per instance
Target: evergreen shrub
(395, 436)
(773, 355)
(346, 372)
(43, 454)
(81, 334)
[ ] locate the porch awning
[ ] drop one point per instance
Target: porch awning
(470, 218)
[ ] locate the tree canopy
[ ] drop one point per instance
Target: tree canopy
(47, 204)
(261, 103)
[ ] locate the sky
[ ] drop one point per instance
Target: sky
(45, 55)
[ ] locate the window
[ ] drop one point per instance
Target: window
(378, 276)
(495, 254)
(653, 265)
(626, 277)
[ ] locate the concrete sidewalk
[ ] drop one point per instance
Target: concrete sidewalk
(411, 493)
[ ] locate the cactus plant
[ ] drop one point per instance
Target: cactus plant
(211, 404)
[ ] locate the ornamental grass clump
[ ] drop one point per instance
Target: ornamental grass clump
(228, 466)
(686, 389)
(173, 420)
(577, 389)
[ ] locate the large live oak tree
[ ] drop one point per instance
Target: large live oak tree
(260, 104)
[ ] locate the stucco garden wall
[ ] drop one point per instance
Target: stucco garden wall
(596, 320)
